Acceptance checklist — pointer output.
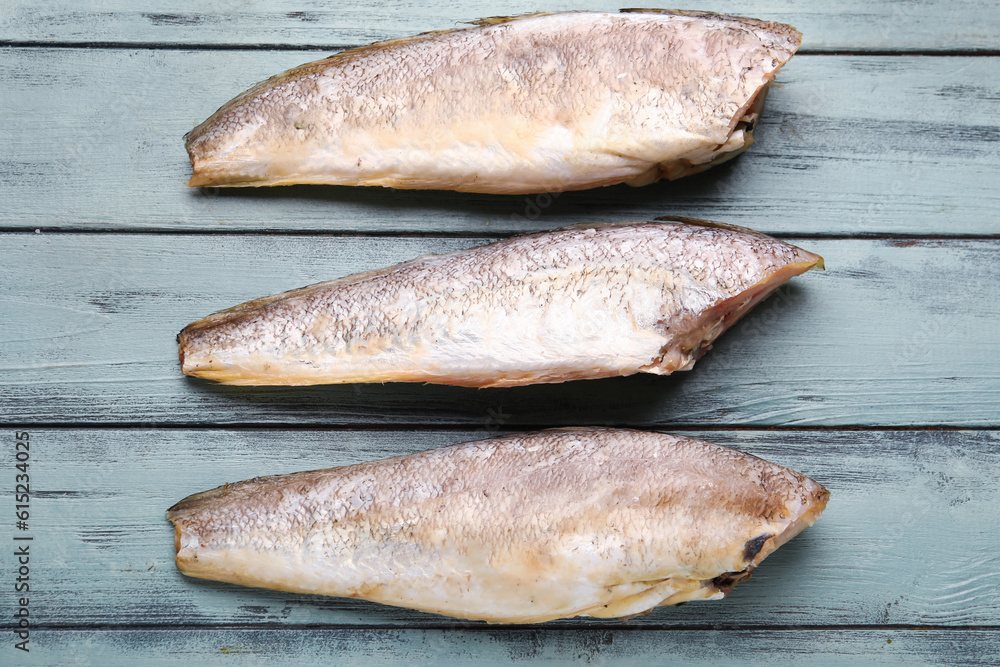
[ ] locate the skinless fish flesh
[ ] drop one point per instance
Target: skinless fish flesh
(516, 529)
(578, 303)
(538, 103)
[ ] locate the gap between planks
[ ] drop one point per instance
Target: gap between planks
(452, 427)
(497, 235)
(170, 46)
(478, 626)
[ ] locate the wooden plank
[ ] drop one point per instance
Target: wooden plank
(893, 333)
(848, 145)
(908, 538)
(496, 646)
(852, 24)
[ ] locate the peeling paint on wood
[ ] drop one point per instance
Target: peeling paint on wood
(106, 556)
(846, 145)
(885, 336)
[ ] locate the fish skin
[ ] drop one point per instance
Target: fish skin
(515, 529)
(539, 103)
(583, 302)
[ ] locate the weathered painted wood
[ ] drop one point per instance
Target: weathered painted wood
(504, 646)
(848, 145)
(909, 535)
(853, 24)
(893, 333)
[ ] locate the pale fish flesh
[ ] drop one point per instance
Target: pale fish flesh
(578, 303)
(539, 103)
(516, 529)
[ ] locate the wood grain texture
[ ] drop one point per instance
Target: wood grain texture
(853, 24)
(908, 537)
(848, 145)
(893, 333)
(505, 646)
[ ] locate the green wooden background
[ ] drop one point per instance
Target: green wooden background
(880, 378)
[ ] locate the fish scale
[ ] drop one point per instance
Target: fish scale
(521, 528)
(539, 103)
(583, 302)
